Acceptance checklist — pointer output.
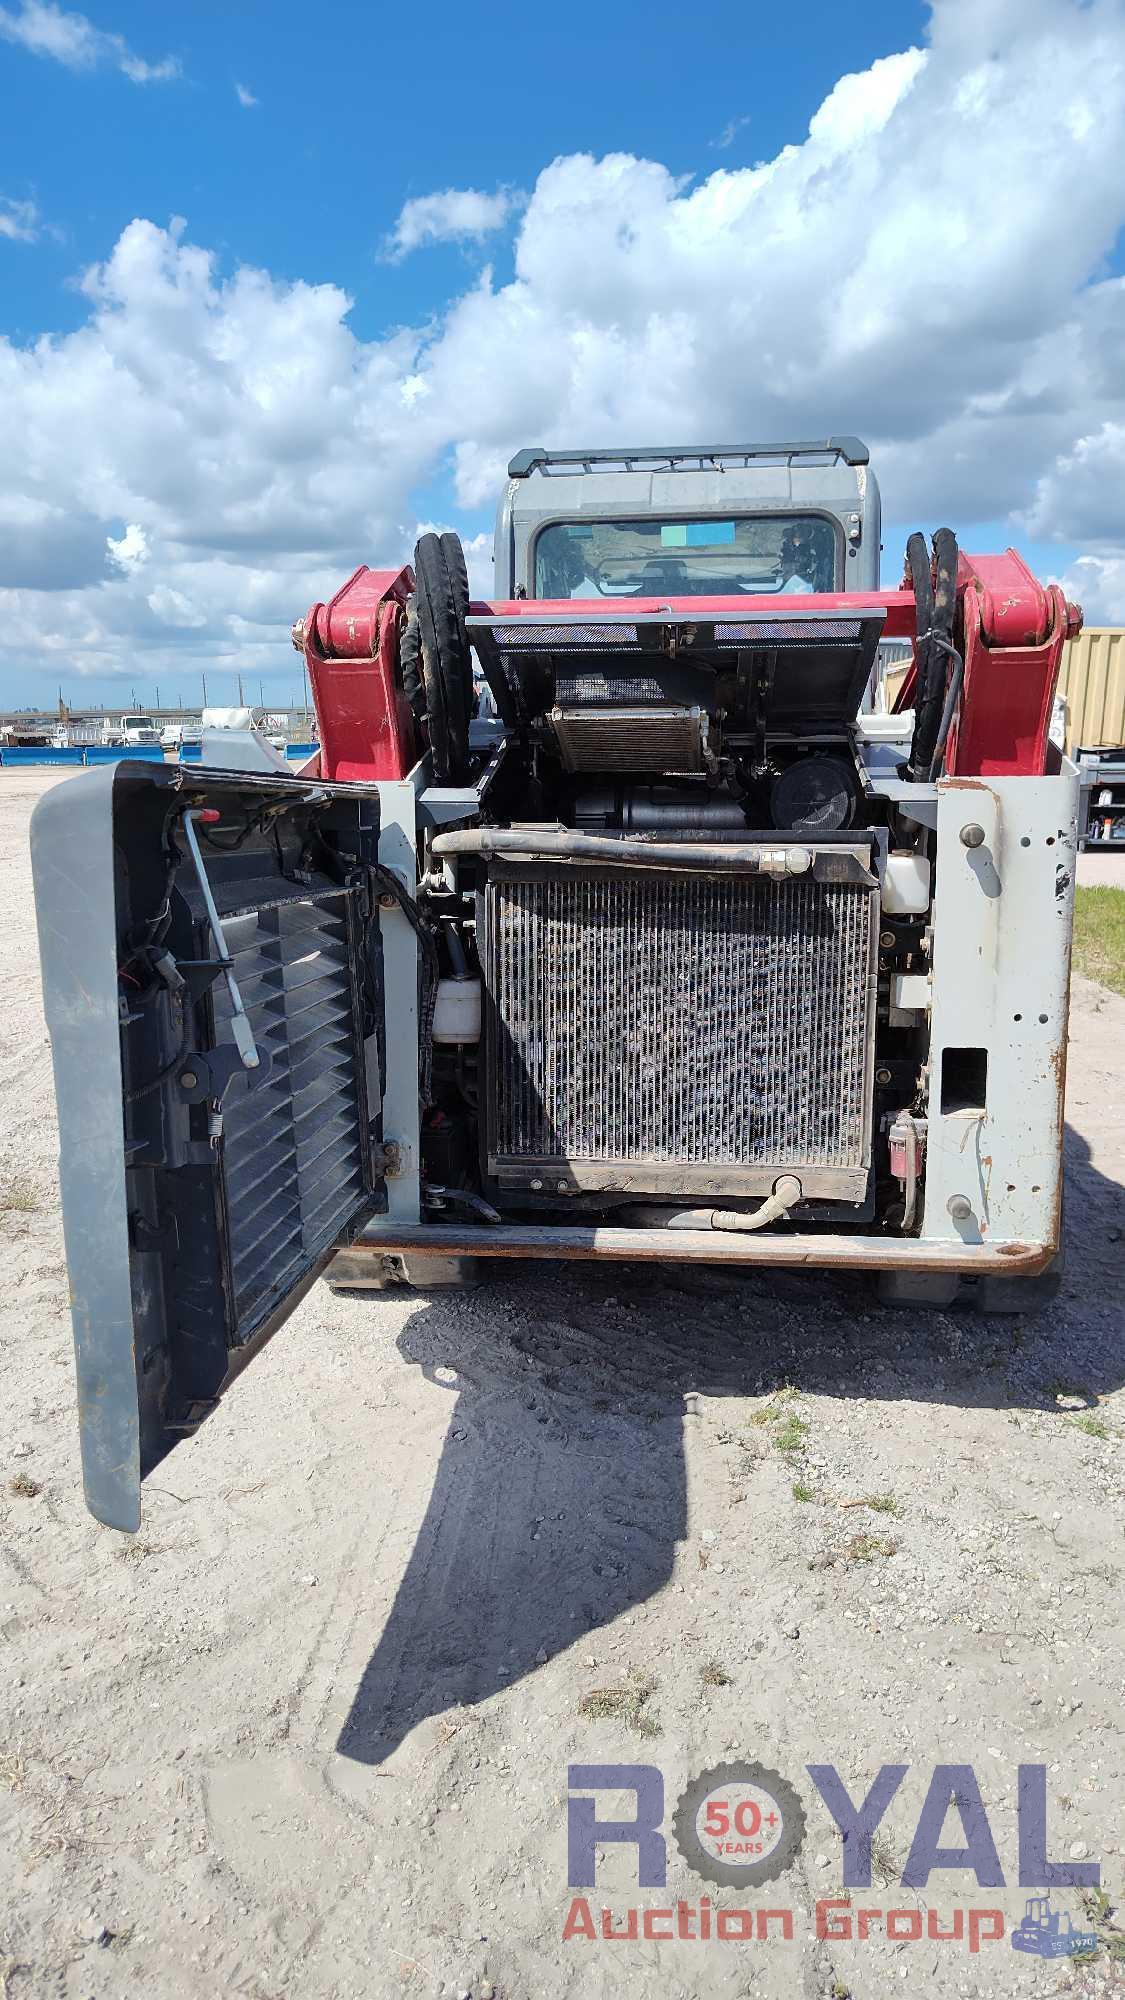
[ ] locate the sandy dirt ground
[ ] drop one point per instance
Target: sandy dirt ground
(309, 1733)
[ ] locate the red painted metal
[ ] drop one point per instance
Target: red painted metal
(351, 651)
(1012, 635)
(898, 605)
(1010, 629)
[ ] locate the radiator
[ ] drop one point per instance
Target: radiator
(294, 1138)
(660, 737)
(659, 1032)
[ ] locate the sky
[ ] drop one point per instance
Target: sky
(277, 289)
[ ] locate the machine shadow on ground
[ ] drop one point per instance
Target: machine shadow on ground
(560, 1496)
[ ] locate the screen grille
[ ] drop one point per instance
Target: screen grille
(295, 1139)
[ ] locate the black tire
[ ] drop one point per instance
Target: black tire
(446, 666)
(410, 663)
(459, 582)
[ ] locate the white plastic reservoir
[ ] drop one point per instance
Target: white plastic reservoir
(906, 884)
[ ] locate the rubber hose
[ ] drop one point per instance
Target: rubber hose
(786, 1195)
(918, 563)
(530, 843)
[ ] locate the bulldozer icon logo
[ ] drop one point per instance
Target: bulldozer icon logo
(1050, 1933)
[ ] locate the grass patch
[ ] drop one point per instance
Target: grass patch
(19, 1197)
(13, 1770)
(884, 1503)
(869, 1548)
(790, 1436)
(884, 1865)
(136, 1551)
(1099, 935)
(24, 1487)
(771, 1412)
(715, 1675)
(627, 1703)
(1091, 1427)
(790, 1430)
(801, 1491)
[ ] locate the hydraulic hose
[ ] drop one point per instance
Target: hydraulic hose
(936, 605)
(786, 1195)
(531, 843)
(952, 697)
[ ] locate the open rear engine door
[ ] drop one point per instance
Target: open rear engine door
(212, 983)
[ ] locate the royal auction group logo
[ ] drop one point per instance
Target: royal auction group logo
(741, 1825)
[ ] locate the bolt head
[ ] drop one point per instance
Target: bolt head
(972, 835)
(188, 1078)
(882, 1076)
(886, 939)
(960, 1207)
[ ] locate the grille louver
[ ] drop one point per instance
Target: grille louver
(293, 1146)
(667, 1032)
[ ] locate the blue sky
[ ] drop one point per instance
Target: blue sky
(174, 416)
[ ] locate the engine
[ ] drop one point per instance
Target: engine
(654, 882)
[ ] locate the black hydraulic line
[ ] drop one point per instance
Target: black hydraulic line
(952, 697)
(935, 644)
(918, 563)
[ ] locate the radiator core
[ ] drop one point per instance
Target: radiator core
(654, 737)
(671, 1032)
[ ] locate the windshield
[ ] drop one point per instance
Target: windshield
(794, 553)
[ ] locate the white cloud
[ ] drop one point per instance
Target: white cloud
(19, 220)
(729, 134)
(926, 268)
(128, 553)
(1081, 498)
(245, 97)
(458, 215)
(1097, 583)
(44, 29)
(171, 607)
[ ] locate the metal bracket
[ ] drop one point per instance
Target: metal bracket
(240, 1024)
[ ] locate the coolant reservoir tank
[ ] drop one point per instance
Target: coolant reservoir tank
(906, 884)
(457, 1011)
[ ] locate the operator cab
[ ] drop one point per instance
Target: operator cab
(746, 520)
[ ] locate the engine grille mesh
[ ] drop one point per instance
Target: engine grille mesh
(675, 1018)
(593, 688)
(293, 1149)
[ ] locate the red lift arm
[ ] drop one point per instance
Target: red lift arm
(1010, 629)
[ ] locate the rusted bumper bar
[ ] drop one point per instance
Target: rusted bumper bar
(692, 1246)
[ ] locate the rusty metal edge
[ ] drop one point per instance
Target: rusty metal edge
(858, 1253)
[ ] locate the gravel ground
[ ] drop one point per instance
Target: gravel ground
(308, 1734)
